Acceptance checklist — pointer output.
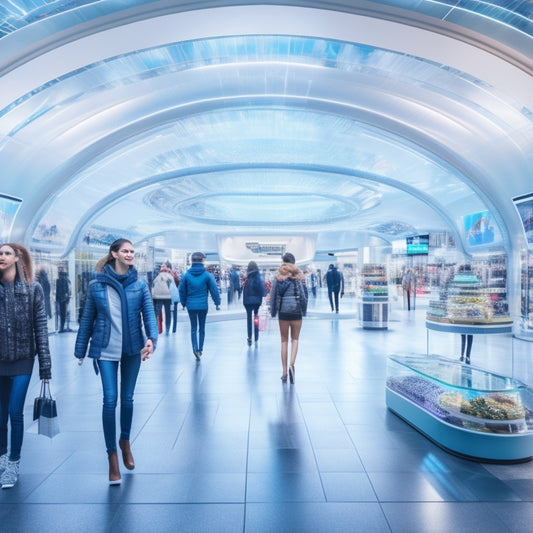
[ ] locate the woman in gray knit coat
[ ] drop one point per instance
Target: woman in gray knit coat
(23, 334)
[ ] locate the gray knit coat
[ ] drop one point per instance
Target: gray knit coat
(23, 326)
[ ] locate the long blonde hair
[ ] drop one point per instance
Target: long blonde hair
(109, 259)
(24, 265)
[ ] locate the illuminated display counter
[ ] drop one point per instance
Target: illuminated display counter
(466, 410)
(374, 305)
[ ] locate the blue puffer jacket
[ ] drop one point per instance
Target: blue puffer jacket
(95, 324)
(195, 286)
(254, 289)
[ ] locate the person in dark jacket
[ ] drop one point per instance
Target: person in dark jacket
(118, 305)
(161, 294)
(252, 297)
(23, 334)
(174, 295)
(335, 283)
(409, 287)
(194, 288)
(288, 299)
(234, 285)
(63, 294)
(44, 281)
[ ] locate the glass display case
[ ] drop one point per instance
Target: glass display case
(466, 300)
(466, 410)
(374, 311)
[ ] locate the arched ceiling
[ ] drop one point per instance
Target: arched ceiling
(349, 122)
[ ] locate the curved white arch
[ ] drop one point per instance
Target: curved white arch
(271, 20)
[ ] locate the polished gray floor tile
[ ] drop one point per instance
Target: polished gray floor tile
(517, 517)
(443, 517)
(62, 518)
(412, 487)
(338, 460)
(284, 487)
(487, 488)
(348, 487)
(186, 518)
(286, 460)
(316, 517)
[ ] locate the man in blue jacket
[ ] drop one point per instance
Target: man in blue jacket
(194, 288)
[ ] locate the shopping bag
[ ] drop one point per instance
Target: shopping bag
(263, 322)
(174, 293)
(48, 424)
(262, 318)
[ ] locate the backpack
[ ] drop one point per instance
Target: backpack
(293, 300)
(160, 287)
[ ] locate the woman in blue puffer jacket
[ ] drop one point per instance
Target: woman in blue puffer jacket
(111, 321)
(194, 288)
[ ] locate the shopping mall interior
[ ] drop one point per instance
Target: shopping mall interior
(392, 139)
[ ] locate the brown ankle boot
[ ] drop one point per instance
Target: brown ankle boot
(127, 456)
(114, 471)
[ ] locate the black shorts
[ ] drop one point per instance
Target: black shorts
(289, 317)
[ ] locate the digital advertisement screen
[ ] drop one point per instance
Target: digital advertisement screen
(524, 205)
(8, 209)
(478, 228)
(417, 245)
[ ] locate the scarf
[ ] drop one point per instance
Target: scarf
(119, 282)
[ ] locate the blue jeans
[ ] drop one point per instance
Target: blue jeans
(163, 303)
(249, 309)
(129, 370)
(13, 391)
(197, 318)
(174, 316)
(334, 294)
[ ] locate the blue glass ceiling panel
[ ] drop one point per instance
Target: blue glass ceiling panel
(16, 14)
(123, 72)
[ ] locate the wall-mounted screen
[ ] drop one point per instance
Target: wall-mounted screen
(478, 228)
(417, 245)
(8, 209)
(266, 249)
(524, 205)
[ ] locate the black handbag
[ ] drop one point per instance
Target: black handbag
(45, 408)
(37, 403)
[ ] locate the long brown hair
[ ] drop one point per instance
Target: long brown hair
(24, 265)
(109, 259)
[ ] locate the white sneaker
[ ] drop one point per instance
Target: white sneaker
(3, 462)
(10, 475)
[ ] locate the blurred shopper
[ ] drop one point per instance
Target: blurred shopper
(335, 283)
(234, 285)
(118, 305)
(161, 294)
(63, 294)
(44, 281)
(174, 295)
(288, 299)
(195, 286)
(409, 287)
(253, 293)
(312, 282)
(23, 334)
